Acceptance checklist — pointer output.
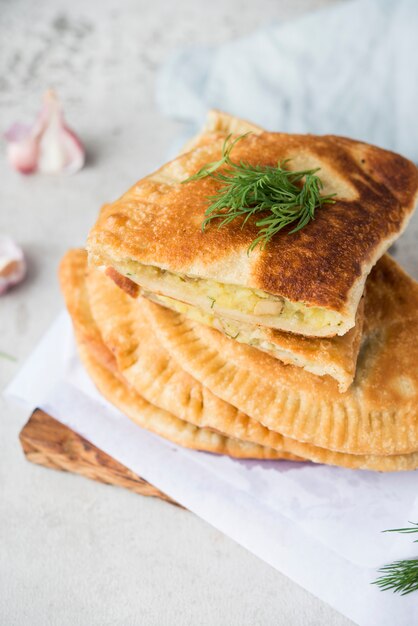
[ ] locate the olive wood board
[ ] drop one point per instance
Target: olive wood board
(47, 442)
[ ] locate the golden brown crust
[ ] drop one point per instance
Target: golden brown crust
(72, 276)
(165, 424)
(377, 415)
(102, 367)
(332, 356)
(158, 221)
(139, 358)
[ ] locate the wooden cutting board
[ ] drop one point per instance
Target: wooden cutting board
(47, 442)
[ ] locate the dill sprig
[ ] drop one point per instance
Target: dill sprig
(400, 576)
(405, 531)
(282, 196)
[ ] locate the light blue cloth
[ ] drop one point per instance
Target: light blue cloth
(349, 69)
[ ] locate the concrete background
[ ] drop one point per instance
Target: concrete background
(73, 551)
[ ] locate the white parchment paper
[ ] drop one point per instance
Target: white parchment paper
(319, 525)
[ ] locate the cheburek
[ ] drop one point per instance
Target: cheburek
(309, 282)
(378, 415)
(335, 357)
(122, 339)
(323, 356)
(102, 368)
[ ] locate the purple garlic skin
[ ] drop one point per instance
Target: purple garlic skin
(12, 264)
(48, 146)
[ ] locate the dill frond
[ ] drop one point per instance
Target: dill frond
(276, 196)
(400, 576)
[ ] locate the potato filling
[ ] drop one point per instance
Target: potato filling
(243, 333)
(222, 298)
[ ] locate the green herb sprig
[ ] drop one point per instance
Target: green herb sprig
(400, 576)
(282, 196)
(8, 357)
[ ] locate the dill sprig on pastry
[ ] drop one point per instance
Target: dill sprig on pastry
(400, 576)
(282, 196)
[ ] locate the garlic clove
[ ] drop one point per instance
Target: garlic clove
(22, 150)
(60, 150)
(12, 263)
(49, 146)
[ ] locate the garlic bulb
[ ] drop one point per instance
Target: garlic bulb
(49, 146)
(12, 263)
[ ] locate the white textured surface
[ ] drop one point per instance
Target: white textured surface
(73, 551)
